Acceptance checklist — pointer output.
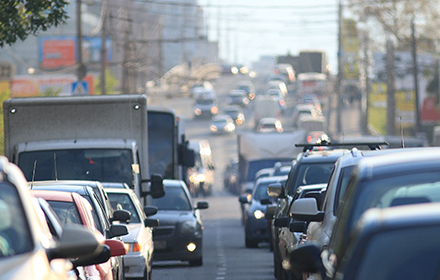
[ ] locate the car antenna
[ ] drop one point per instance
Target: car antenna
(55, 166)
(33, 174)
(402, 141)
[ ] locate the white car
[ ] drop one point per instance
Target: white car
(27, 248)
(138, 260)
(269, 125)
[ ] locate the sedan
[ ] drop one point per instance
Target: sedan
(238, 97)
(138, 261)
(180, 233)
(222, 124)
(236, 113)
(269, 125)
(255, 223)
(103, 223)
(73, 209)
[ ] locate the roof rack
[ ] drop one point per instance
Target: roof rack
(371, 145)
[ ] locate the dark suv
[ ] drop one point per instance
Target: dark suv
(310, 167)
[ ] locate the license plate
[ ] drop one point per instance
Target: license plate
(160, 244)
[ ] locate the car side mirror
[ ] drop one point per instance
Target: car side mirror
(121, 215)
(76, 241)
(152, 223)
(316, 195)
(265, 201)
(150, 210)
(281, 222)
(298, 226)
(117, 230)
(243, 199)
(100, 258)
(276, 190)
(202, 205)
(157, 189)
(117, 248)
(307, 258)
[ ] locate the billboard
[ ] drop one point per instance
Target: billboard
(27, 86)
(59, 52)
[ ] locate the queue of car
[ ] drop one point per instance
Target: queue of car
(323, 231)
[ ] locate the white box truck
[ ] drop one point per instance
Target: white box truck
(101, 138)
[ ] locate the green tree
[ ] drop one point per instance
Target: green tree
(21, 18)
(110, 83)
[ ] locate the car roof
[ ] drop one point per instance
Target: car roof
(269, 179)
(221, 118)
(410, 160)
(54, 195)
(322, 156)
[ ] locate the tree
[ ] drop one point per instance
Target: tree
(21, 18)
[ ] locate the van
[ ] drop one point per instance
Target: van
(200, 177)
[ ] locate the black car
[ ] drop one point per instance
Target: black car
(179, 235)
(310, 167)
(103, 223)
(393, 243)
(408, 177)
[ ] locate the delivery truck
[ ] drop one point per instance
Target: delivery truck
(100, 138)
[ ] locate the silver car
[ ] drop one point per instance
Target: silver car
(138, 260)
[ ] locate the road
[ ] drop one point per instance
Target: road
(224, 252)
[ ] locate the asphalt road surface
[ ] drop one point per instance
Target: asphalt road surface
(224, 253)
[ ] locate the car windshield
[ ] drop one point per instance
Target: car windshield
(15, 236)
(221, 122)
(312, 173)
(66, 212)
(123, 201)
(254, 166)
(205, 101)
(174, 199)
(260, 191)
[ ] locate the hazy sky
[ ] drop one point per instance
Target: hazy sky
(248, 29)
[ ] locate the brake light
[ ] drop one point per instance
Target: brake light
(137, 247)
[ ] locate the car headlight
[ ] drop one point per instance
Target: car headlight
(213, 128)
(197, 112)
(258, 214)
(201, 177)
(188, 227)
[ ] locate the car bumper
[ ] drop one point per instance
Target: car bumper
(176, 248)
(134, 265)
(257, 229)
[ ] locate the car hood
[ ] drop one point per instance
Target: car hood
(167, 217)
(133, 233)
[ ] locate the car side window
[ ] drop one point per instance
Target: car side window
(15, 237)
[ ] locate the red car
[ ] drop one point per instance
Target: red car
(72, 208)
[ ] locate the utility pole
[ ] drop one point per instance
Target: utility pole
(81, 71)
(391, 102)
(103, 50)
(340, 71)
(415, 74)
(365, 97)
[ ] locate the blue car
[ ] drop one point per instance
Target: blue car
(255, 223)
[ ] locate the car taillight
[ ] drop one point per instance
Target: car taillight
(137, 247)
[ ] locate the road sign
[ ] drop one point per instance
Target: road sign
(80, 88)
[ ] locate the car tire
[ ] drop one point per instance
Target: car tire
(251, 243)
(196, 262)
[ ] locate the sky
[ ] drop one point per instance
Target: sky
(248, 29)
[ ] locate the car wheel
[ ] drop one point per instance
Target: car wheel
(196, 262)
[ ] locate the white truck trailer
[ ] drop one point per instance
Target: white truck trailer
(101, 138)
